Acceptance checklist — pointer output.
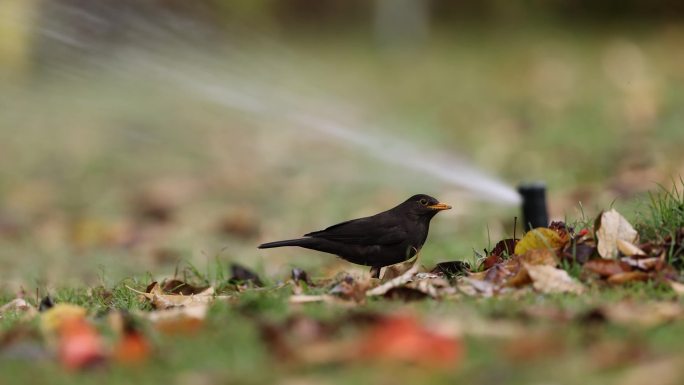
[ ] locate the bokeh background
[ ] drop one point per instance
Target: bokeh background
(139, 135)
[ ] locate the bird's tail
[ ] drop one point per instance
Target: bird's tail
(289, 242)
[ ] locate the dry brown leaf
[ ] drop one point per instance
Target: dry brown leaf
(613, 227)
(133, 349)
(423, 285)
(677, 287)
(630, 276)
(402, 339)
(305, 298)
(647, 314)
(178, 319)
(606, 354)
(533, 346)
(540, 238)
(18, 305)
(176, 286)
(472, 287)
(642, 263)
(165, 301)
(606, 267)
(396, 282)
(629, 249)
(548, 279)
(665, 371)
(397, 270)
(540, 257)
(352, 289)
(531, 257)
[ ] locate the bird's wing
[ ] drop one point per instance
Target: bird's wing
(364, 231)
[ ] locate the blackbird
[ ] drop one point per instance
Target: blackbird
(383, 239)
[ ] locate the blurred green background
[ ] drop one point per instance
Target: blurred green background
(136, 134)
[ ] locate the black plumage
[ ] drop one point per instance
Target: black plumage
(383, 239)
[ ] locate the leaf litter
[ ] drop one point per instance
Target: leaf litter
(553, 260)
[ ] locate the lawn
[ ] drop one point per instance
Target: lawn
(126, 169)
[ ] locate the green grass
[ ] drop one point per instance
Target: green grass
(541, 103)
(665, 216)
(229, 347)
(664, 220)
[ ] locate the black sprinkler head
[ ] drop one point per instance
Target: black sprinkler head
(534, 211)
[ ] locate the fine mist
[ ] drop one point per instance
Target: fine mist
(253, 74)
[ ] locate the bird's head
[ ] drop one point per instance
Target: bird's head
(424, 205)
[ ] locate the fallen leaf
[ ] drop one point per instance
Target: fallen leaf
(491, 261)
(611, 354)
(579, 251)
(505, 247)
(452, 268)
(352, 289)
(308, 298)
(241, 274)
(540, 238)
(533, 346)
(396, 282)
(677, 287)
(52, 318)
(176, 286)
(665, 371)
(630, 276)
(629, 249)
(18, 305)
(471, 286)
(540, 257)
(643, 314)
(165, 301)
(132, 347)
(396, 270)
(548, 279)
(402, 339)
(178, 319)
(612, 227)
(80, 345)
(499, 273)
(23, 342)
(422, 286)
(406, 294)
(606, 267)
(646, 264)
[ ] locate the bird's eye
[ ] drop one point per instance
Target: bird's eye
(423, 202)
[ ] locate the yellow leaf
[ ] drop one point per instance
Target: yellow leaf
(52, 318)
(540, 238)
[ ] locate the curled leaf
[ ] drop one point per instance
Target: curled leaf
(613, 227)
(606, 267)
(630, 276)
(540, 238)
(629, 249)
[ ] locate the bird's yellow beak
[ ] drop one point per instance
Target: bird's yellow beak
(440, 206)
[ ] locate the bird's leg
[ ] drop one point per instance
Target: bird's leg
(375, 272)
